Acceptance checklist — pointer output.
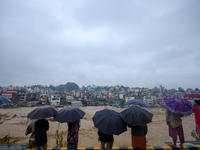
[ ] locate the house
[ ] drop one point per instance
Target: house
(129, 98)
(76, 103)
(43, 99)
(54, 99)
(8, 94)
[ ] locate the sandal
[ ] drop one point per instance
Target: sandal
(181, 146)
(172, 145)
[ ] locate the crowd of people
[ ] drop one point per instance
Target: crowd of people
(138, 133)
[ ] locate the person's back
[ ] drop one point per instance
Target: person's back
(72, 136)
(41, 126)
(139, 137)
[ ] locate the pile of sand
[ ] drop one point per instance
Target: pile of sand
(16, 123)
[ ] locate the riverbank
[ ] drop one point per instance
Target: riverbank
(14, 122)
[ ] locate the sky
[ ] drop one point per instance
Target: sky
(134, 43)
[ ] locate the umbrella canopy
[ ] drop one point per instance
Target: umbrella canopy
(192, 96)
(42, 112)
(31, 127)
(137, 102)
(3, 100)
(136, 115)
(109, 122)
(178, 105)
(69, 114)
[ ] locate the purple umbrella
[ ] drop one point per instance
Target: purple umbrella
(178, 105)
(31, 127)
(137, 102)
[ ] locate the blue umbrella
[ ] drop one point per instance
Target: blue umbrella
(109, 122)
(69, 114)
(3, 100)
(137, 102)
(178, 105)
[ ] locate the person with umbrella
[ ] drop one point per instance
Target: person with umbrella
(31, 129)
(105, 140)
(109, 123)
(174, 123)
(196, 98)
(42, 125)
(71, 115)
(175, 109)
(72, 136)
(197, 116)
(137, 118)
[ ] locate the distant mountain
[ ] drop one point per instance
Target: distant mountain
(69, 86)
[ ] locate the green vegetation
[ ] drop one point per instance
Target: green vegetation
(195, 135)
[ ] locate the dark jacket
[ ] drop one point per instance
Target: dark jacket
(41, 126)
(139, 131)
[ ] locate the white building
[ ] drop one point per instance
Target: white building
(54, 99)
(76, 103)
(129, 98)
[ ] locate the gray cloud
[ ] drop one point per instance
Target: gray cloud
(135, 43)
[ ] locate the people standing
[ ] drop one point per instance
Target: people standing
(105, 140)
(197, 116)
(139, 137)
(72, 136)
(174, 123)
(41, 126)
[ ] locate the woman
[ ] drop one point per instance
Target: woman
(197, 116)
(139, 137)
(174, 123)
(105, 140)
(41, 127)
(72, 136)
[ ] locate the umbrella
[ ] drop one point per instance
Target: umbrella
(192, 96)
(31, 127)
(137, 102)
(109, 122)
(3, 100)
(42, 112)
(69, 114)
(178, 105)
(136, 115)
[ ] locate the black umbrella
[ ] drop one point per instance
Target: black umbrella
(109, 122)
(69, 114)
(42, 112)
(136, 115)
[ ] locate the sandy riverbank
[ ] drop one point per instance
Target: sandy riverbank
(16, 124)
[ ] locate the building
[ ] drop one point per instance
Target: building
(76, 103)
(54, 99)
(8, 94)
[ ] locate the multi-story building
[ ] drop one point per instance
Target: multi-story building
(8, 93)
(54, 99)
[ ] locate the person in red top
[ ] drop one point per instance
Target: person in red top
(197, 116)
(72, 136)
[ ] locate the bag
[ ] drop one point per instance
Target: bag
(31, 143)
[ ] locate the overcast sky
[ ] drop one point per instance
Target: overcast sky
(102, 42)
